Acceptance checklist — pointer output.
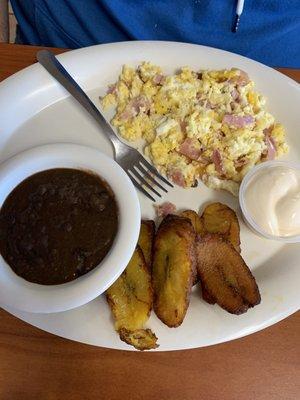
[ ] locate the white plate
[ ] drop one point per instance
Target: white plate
(36, 110)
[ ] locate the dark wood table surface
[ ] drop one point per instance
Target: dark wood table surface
(37, 365)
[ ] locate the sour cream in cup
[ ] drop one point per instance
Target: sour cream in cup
(270, 200)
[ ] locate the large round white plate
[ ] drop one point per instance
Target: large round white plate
(35, 110)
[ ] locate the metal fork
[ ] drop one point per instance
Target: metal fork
(140, 171)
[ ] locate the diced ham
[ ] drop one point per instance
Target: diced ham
(242, 79)
(217, 160)
(183, 126)
(127, 114)
(188, 148)
(177, 177)
(210, 106)
(234, 94)
(248, 119)
(207, 104)
(270, 143)
(241, 162)
(140, 103)
(159, 79)
(237, 121)
(267, 131)
(165, 208)
(134, 107)
(271, 147)
(112, 89)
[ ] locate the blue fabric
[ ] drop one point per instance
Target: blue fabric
(269, 30)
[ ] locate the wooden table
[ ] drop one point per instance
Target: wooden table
(37, 365)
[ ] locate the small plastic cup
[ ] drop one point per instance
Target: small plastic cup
(248, 218)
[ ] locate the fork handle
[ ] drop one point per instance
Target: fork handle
(55, 68)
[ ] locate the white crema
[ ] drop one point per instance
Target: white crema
(272, 198)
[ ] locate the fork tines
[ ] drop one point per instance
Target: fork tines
(143, 176)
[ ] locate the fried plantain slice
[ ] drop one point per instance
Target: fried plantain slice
(173, 269)
(207, 297)
(225, 276)
(199, 229)
(141, 339)
(146, 239)
(195, 220)
(130, 298)
(221, 219)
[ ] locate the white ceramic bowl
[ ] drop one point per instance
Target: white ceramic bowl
(20, 294)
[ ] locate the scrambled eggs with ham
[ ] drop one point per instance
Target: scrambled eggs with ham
(208, 125)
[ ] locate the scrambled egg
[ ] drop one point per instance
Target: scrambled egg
(209, 125)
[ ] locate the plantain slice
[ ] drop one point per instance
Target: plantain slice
(130, 298)
(225, 276)
(207, 297)
(173, 269)
(195, 220)
(221, 219)
(199, 229)
(146, 239)
(141, 339)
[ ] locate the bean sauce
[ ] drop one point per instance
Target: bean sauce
(57, 225)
